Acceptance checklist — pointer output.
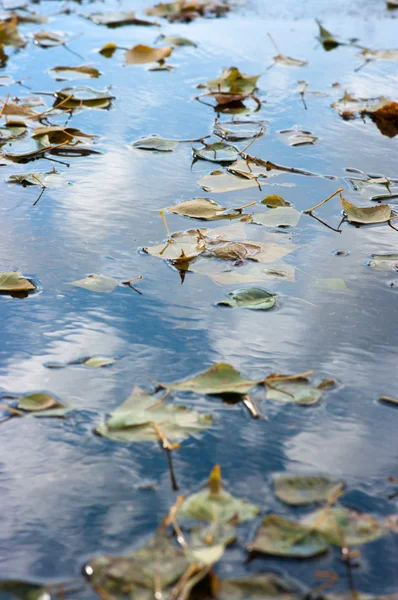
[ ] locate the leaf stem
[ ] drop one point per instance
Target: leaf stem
(308, 210)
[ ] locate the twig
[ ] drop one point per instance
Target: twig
(258, 134)
(338, 230)
(305, 212)
(173, 479)
(167, 227)
(273, 43)
(251, 407)
(14, 411)
(39, 196)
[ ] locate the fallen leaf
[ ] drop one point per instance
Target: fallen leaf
(281, 537)
(186, 11)
(46, 179)
(49, 39)
(274, 201)
(385, 115)
(96, 362)
(218, 152)
(83, 96)
(298, 137)
(355, 527)
(384, 262)
(206, 556)
(205, 209)
(232, 81)
(253, 273)
(9, 34)
(38, 402)
(221, 378)
(133, 420)
(234, 131)
(297, 390)
(96, 283)
(117, 19)
(327, 39)
(71, 73)
(365, 215)
(284, 60)
(299, 490)
(388, 400)
(281, 216)
(156, 143)
(214, 504)
(175, 40)
(15, 282)
(331, 283)
(257, 586)
(383, 55)
(220, 181)
(108, 50)
(142, 54)
(253, 298)
(375, 188)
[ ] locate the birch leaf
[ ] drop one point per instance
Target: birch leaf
(235, 131)
(232, 81)
(297, 391)
(142, 54)
(365, 215)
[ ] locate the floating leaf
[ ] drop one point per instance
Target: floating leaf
(385, 115)
(288, 61)
(205, 209)
(254, 273)
(83, 96)
(221, 378)
(219, 181)
(49, 39)
(12, 589)
(384, 262)
(388, 400)
(298, 137)
(96, 362)
(159, 562)
(355, 527)
(331, 283)
(117, 19)
(266, 252)
(71, 73)
(234, 131)
(9, 35)
(56, 134)
(108, 50)
(257, 586)
(297, 390)
(188, 10)
(383, 55)
(133, 421)
(97, 283)
(253, 298)
(175, 40)
(375, 188)
(15, 282)
(38, 402)
(206, 556)
(366, 215)
(142, 54)
(215, 533)
(48, 179)
(281, 537)
(299, 490)
(327, 39)
(155, 142)
(180, 246)
(281, 216)
(214, 504)
(232, 81)
(274, 201)
(218, 152)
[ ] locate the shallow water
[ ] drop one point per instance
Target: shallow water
(67, 494)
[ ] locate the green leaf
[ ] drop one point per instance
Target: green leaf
(206, 556)
(298, 390)
(133, 420)
(257, 587)
(281, 537)
(155, 142)
(221, 378)
(299, 490)
(253, 298)
(282, 216)
(72, 73)
(15, 282)
(366, 215)
(11, 589)
(159, 561)
(204, 208)
(214, 504)
(217, 152)
(96, 283)
(355, 527)
(215, 533)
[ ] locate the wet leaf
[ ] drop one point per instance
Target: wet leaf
(38, 402)
(83, 96)
(56, 134)
(348, 105)
(133, 420)
(186, 11)
(356, 528)
(366, 215)
(253, 298)
(160, 560)
(205, 209)
(327, 39)
(234, 131)
(299, 490)
(207, 555)
(297, 390)
(383, 55)
(15, 282)
(384, 262)
(108, 50)
(221, 378)
(253, 273)
(49, 39)
(9, 35)
(215, 533)
(142, 54)
(214, 504)
(331, 283)
(175, 40)
(180, 246)
(283, 216)
(12, 589)
(71, 73)
(265, 252)
(274, 201)
(375, 188)
(257, 586)
(96, 362)
(48, 179)
(288, 61)
(220, 181)
(232, 81)
(218, 152)
(96, 283)
(156, 143)
(298, 137)
(117, 19)
(281, 537)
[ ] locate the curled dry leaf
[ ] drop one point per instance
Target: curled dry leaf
(252, 298)
(365, 215)
(56, 134)
(38, 402)
(49, 39)
(108, 50)
(97, 362)
(142, 54)
(9, 34)
(274, 201)
(83, 96)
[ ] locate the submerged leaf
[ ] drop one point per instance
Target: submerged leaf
(219, 181)
(253, 298)
(281, 216)
(384, 262)
(221, 378)
(340, 523)
(133, 421)
(218, 152)
(365, 215)
(257, 586)
(142, 54)
(281, 537)
(71, 73)
(97, 283)
(15, 282)
(299, 490)
(155, 142)
(204, 208)
(214, 504)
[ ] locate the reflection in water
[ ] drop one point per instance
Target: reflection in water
(67, 494)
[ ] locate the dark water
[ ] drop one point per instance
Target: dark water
(67, 494)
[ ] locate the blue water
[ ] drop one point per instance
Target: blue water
(67, 494)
